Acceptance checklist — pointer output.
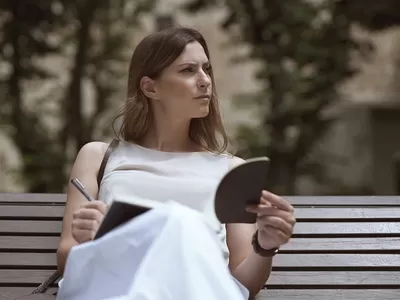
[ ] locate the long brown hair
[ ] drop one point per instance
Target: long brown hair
(152, 55)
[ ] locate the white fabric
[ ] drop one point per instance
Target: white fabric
(167, 253)
(191, 179)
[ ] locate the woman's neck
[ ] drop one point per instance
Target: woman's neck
(170, 137)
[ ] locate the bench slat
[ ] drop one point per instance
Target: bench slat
(277, 278)
(348, 213)
(57, 211)
(296, 244)
(10, 293)
(24, 276)
(334, 278)
(344, 200)
(346, 294)
(30, 211)
(366, 228)
(28, 242)
(36, 198)
(337, 260)
(281, 260)
(21, 227)
(27, 259)
(295, 200)
(347, 228)
(342, 244)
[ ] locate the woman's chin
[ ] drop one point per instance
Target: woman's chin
(203, 112)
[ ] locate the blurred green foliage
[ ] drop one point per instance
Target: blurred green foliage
(305, 51)
(91, 37)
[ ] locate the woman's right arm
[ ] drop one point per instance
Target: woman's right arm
(85, 168)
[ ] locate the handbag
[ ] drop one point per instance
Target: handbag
(39, 293)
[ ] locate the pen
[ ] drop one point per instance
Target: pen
(81, 188)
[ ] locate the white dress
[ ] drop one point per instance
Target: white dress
(168, 252)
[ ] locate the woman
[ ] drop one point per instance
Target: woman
(173, 148)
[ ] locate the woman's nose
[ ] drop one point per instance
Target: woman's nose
(204, 81)
(203, 85)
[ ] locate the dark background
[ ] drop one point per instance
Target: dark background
(311, 84)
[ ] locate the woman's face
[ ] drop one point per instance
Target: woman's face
(184, 88)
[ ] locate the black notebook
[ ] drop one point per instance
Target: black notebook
(241, 186)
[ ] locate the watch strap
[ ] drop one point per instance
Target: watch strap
(260, 250)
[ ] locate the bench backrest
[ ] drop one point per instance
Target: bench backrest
(30, 226)
(343, 247)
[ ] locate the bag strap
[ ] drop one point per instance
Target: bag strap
(114, 143)
(42, 288)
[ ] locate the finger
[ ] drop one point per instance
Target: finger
(277, 223)
(99, 205)
(277, 201)
(88, 214)
(85, 224)
(265, 202)
(263, 210)
(275, 234)
(83, 235)
(276, 212)
(256, 207)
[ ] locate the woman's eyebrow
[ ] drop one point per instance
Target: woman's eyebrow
(193, 63)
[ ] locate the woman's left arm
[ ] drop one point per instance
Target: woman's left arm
(251, 269)
(275, 222)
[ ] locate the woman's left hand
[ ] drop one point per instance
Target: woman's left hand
(275, 220)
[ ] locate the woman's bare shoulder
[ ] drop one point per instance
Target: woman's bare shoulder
(97, 149)
(91, 153)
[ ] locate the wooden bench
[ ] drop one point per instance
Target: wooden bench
(343, 248)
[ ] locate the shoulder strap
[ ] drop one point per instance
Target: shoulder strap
(43, 287)
(114, 143)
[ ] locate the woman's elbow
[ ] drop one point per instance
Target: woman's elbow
(253, 292)
(61, 259)
(62, 255)
(254, 288)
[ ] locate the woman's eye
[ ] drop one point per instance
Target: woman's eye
(187, 70)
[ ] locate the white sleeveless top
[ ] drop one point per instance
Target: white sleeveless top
(189, 178)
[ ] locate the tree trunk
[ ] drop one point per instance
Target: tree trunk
(16, 76)
(75, 128)
(282, 176)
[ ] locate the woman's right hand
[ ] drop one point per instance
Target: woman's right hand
(87, 219)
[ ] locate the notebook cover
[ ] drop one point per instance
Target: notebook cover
(241, 186)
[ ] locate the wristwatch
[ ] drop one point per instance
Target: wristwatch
(260, 250)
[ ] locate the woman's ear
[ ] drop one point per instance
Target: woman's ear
(147, 85)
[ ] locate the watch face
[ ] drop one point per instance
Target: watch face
(269, 253)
